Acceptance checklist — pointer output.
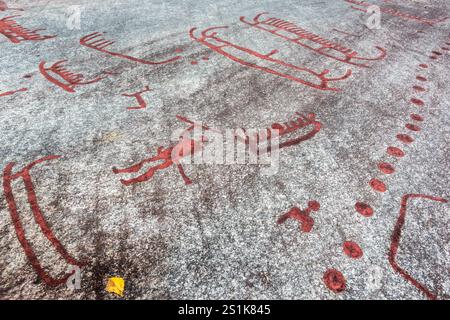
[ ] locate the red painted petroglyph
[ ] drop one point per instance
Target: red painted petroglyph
(395, 243)
(412, 127)
(364, 209)
(396, 152)
(396, 13)
(209, 38)
(67, 79)
(416, 117)
(419, 88)
(302, 216)
(386, 168)
(352, 250)
(377, 185)
(423, 65)
(421, 78)
(8, 93)
(16, 33)
(39, 218)
(285, 129)
(97, 42)
(334, 280)
(186, 147)
(306, 39)
(138, 97)
(417, 102)
(404, 138)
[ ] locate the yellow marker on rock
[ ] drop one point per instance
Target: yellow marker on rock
(116, 285)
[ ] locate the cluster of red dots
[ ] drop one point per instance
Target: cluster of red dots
(334, 279)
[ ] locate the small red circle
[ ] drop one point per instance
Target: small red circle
(423, 65)
(335, 280)
(364, 209)
(404, 138)
(412, 127)
(314, 205)
(194, 62)
(396, 152)
(416, 117)
(377, 185)
(420, 78)
(352, 249)
(419, 88)
(417, 102)
(386, 168)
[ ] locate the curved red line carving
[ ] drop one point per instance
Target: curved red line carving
(302, 34)
(395, 242)
(97, 42)
(16, 33)
(39, 218)
(218, 44)
(71, 79)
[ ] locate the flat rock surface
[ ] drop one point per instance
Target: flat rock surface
(368, 172)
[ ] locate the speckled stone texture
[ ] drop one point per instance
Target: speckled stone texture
(218, 238)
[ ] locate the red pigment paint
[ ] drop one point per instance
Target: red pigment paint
(437, 53)
(178, 50)
(396, 152)
(300, 36)
(417, 102)
(97, 42)
(283, 69)
(194, 62)
(335, 280)
(169, 156)
(412, 127)
(39, 218)
(395, 243)
(419, 88)
(423, 65)
(15, 33)
(138, 97)
(377, 185)
(8, 93)
(352, 250)
(364, 209)
(302, 216)
(69, 80)
(420, 78)
(416, 117)
(205, 58)
(445, 48)
(404, 138)
(433, 57)
(386, 168)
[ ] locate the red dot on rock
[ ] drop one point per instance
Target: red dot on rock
(314, 205)
(386, 167)
(437, 52)
(412, 127)
(364, 209)
(194, 62)
(335, 280)
(416, 117)
(404, 138)
(420, 78)
(352, 250)
(433, 57)
(396, 152)
(419, 88)
(377, 185)
(423, 65)
(417, 101)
